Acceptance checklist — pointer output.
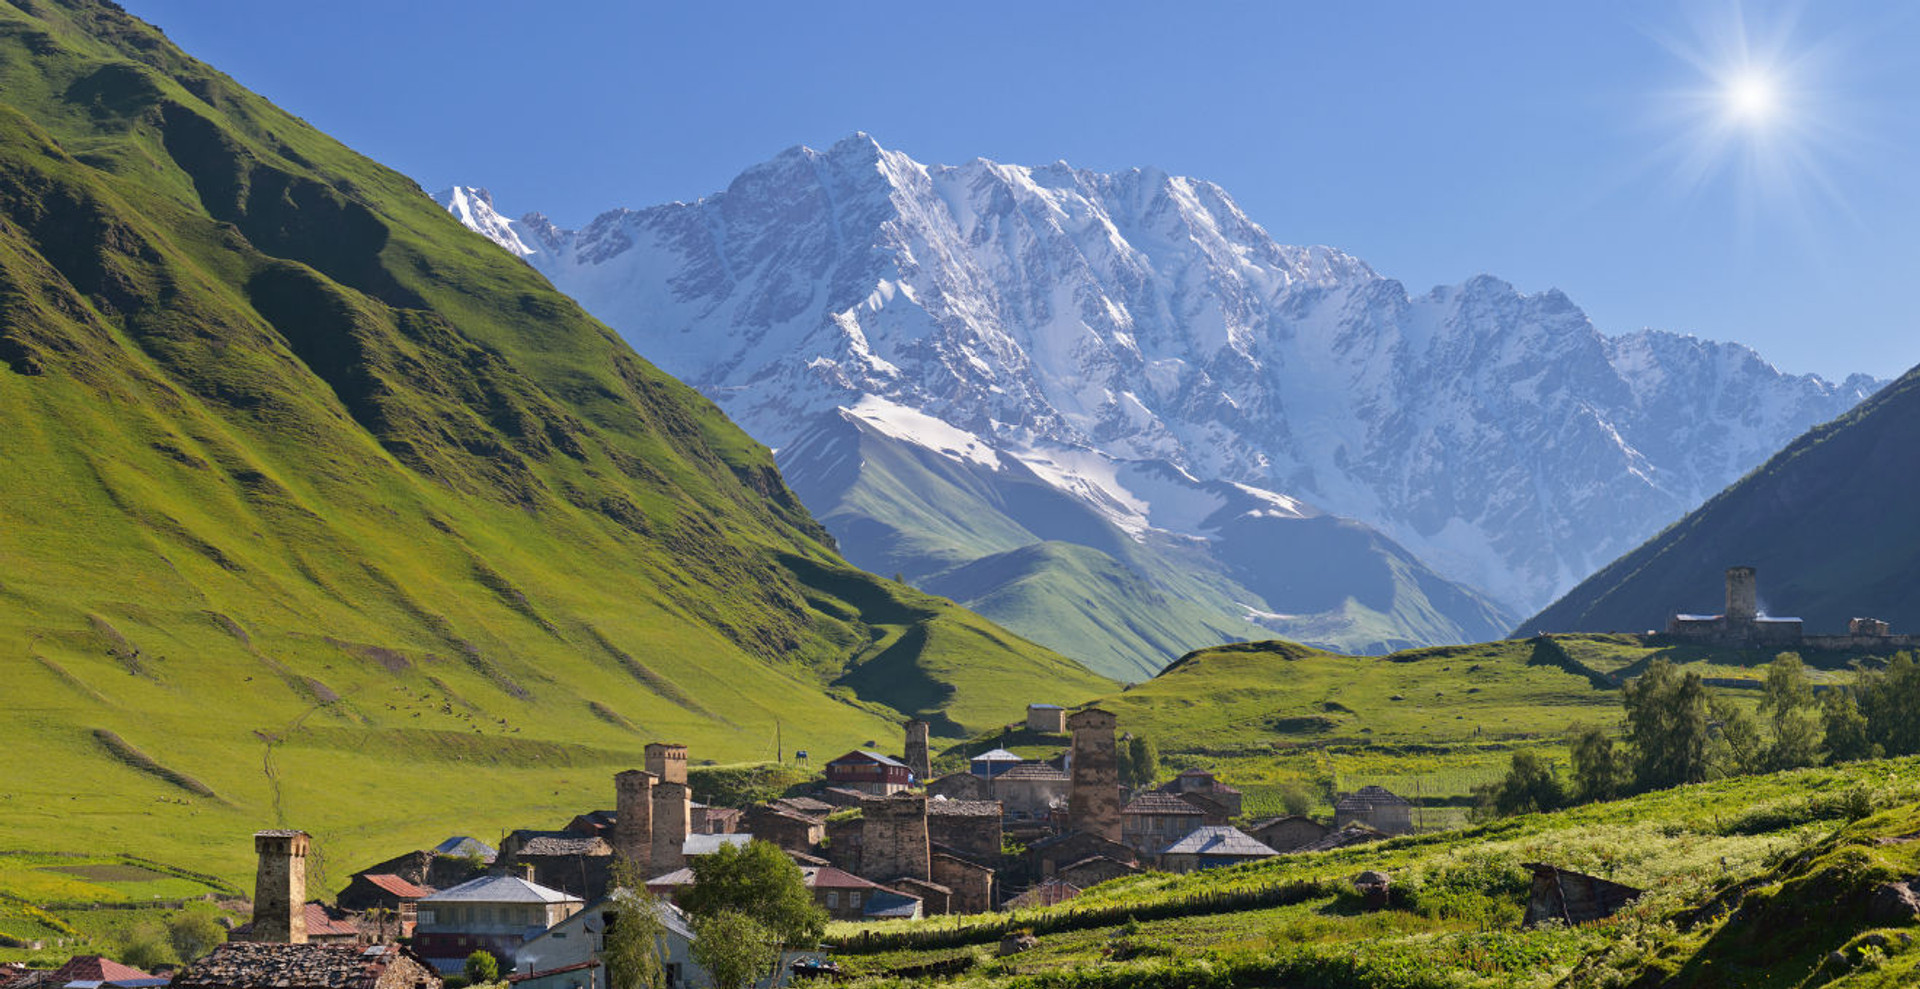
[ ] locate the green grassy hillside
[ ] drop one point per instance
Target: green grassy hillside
(319, 510)
(1824, 521)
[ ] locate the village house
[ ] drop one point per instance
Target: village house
(90, 971)
(495, 914)
(992, 763)
(1048, 855)
(969, 828)
(384, 894)
(1211, 847)
(1375, 807)
(869, 772)
(1345, 836)
(568, 953)
(960, 786)
(1050, 719)
(1031, 791)
(1220, 802)
(1284, 834)
(788, 829)
(323, 925)
(562, 860)
(252, 965)
(1094, 870)
(1154, 820)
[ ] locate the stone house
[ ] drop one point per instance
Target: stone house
(1220, 802)
(1375, 807)
(496, 914)
(785, 828)
(970, 828)
(1032, 791)
(1573, 897)
(251, 965)
(869, 772)
(1284, 834)
(1094, 870)
(961, 786)
(1048, 718)
(970, 883)
(1211, 847)
(1153, 820)
(569, 862)
(1048, 855)
(843, 895)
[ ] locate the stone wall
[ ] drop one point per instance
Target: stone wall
(916, 751)
(668, 761)
(633, 823)
(672, 822)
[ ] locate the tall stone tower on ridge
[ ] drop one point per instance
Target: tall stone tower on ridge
(1743, 598)
(917, 759)
(280, 887)
(668, 761)
(893, 841)
(633, 818)
(672, 822)
(1093, 803)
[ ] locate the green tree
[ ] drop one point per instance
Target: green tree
(1141, 763)
(481, 969)
(1737, 749)
(760, 882)
(1295, 799)
(1669, 725)
(1529, 787)
(1599, 769)
(735, 949)
(1845, 728)
(194, 933)
(634, 938)
(1788, 705)
(145, 948)
(1887, 699)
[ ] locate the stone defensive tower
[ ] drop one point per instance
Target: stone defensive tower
(633, 817)
(916, 750)
(672, 822)
(668, 761)
(893, 840)
(280, 887)
(1742, 597)
(1093, 804)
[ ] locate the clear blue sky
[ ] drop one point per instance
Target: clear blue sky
(1598, 148)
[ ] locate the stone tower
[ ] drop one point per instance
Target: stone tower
(672, 822)
(633, 817)
(280, 887)
(893, 839)
(917, 760)
(668, 761)
(1742, 596)
(1093, 804)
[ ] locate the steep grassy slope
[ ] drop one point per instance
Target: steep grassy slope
(1828, 521)
(319, 510)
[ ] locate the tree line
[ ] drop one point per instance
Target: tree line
(1676, 732)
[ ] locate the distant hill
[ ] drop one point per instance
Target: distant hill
(1830, 521)
(319, 510)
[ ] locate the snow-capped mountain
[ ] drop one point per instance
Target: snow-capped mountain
(1082, 322)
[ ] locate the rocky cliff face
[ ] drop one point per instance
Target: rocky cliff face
(1141, 316)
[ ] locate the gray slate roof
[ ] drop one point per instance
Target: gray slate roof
(1033, 771)
(884, 760)
(463, 845)
(560, 843)
(1160, 803)
(1219, 840)
(501, 889)
(946, 807)
(997, 755)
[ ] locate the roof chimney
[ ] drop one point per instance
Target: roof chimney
(280, 887)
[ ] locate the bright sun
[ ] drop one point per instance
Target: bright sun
(1751, 98)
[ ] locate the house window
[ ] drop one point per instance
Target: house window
(833, 899)
(853, 899)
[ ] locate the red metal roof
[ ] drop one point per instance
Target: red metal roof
(94, 968)
(398, 886)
